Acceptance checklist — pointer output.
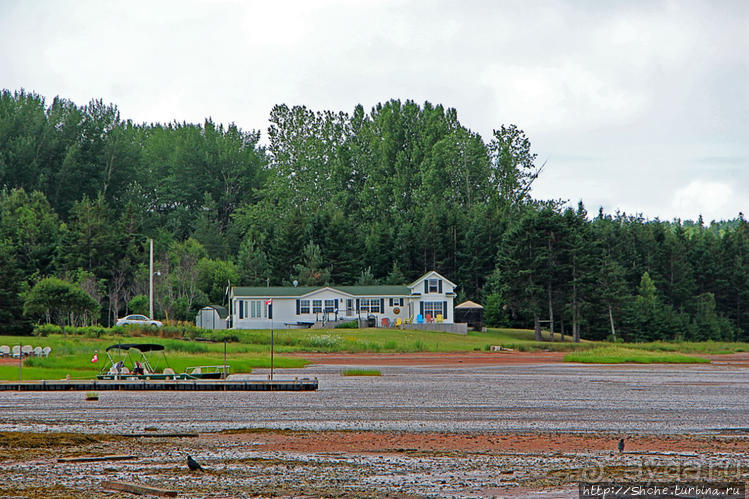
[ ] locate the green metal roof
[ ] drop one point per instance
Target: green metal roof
(375, 290)
(268, 292)
(223, 313)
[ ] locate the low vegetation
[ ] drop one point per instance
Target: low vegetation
(361, 372)
(621, 355)
(249, 349)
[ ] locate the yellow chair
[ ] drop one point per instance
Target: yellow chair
(440, 318)
(398, 322)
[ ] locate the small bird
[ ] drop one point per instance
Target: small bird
(193, 464)
(621, 445)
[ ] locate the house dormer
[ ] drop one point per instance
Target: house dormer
(432, 283)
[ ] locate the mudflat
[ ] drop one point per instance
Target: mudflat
(430, 425)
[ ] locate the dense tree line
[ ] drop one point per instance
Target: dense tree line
(366, 197)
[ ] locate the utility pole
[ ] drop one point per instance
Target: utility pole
(150, 281)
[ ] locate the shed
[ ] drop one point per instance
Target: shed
(471, 313)
(212, 317)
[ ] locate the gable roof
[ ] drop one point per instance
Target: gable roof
(469, 304)
(432, 274)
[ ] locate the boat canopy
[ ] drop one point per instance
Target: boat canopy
(143, 347)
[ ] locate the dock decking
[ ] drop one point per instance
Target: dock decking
(294, 385)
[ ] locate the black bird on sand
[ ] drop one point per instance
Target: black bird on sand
(193, 464)
(621, 445)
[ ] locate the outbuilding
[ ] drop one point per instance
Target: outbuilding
(471, 313)
(212, 317)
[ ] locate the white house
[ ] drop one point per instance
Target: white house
(428, 299)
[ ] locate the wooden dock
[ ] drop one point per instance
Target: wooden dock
(294, 385)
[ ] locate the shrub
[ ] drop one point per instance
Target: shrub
(139, 304)
(348, 325)
(47, 329)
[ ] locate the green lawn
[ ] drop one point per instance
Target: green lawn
(396, 340)
(72, 354)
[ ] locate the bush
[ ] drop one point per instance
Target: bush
(348, 325)
(47, 329)
(139, 304)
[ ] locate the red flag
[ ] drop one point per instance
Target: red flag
(95, 358)
(269, 301)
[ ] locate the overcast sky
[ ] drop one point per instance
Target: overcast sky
(641, 106)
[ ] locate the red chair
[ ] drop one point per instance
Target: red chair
(385, 322)
(429, 317)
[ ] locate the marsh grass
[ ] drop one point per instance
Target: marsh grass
(623, 355)
(703, 347)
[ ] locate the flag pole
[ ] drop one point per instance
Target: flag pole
(269, 303)
(271, 349)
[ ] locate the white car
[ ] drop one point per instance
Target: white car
(141, 320)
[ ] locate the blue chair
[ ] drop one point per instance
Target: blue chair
(420, 319)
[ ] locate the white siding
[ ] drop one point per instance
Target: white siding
(285, 308)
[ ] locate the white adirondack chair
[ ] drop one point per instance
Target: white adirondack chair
(27, 350)
(16, 351)
(46, 351)
(4, 351)
(38, 352)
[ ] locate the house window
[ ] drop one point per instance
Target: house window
(316, 306)
(303, 306)
(371, 305)
(255, 309)
(433, 286)
(432, 308)
(396, 302)
(330, 306)
(349, 306)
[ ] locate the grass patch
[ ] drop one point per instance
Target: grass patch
(703, 347)
(361, 372)
(621, 355)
